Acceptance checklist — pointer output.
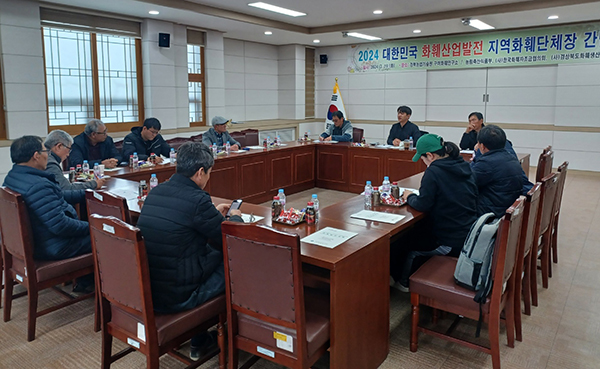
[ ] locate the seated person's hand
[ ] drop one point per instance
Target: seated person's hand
(159, 160)
(327, 139)
(100, 182)
(405, 194)
(223, 208)
(110, 163)
(396, 142)
(235, 147)
(236, 212)
(321, 138)
(470, 127)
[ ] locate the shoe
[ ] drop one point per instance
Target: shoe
(83, 288)
(401, 287)
(392, 281)
(204, 343)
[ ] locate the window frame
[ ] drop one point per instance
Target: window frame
(195, 77)
(75, 129)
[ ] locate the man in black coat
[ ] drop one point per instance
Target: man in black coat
(498, 173)
(146, 140)
(404, 129)
(469, 138)
(95, 146)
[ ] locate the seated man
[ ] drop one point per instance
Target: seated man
(57, 232)
(469, 138)
(59, 143)
(182, 231)
(498, 173)
(404, 129)
(95, 146)
(146, 140)
(218, 134)
(340, 130)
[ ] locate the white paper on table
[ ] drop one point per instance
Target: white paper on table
(246, 218)
(111, 169)
(378, 216)
(129, 194)
(165, 161)
(386, 146)
(416, 192)
(329, 237)
(467, 152)
(255, 147)
(239, 151)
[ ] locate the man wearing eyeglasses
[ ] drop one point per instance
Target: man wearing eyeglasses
(95, 146)
(57, 231)
(60, 143)
(146, 140)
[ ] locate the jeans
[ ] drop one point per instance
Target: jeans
(408, 263)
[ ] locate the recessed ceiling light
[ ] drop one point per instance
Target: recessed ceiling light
(268, 33)
(316, 41)
(377, 12)
(363, 36)
(277, 9)
(476, 23)
(417, 31)
(154, 12)
(552, 17)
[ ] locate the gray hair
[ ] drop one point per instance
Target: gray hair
(92, 126)
(58, 136)
(192, 156)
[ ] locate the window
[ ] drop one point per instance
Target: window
(92, 75)
(196, 85)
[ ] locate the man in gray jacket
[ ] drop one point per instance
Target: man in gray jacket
(341, 130)
(59, 143)
(218, 134)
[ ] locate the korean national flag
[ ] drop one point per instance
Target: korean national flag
(336, 104)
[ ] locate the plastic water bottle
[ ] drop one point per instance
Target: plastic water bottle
(227, 147)
(368, 193)
(136, 160)
(281, 198)
(153, 181)
(214, 149)
(410, 143)
(172, 155)
(269, 143)
(386, 187)
(278, 141)
(86, 167)
(96, 170)
(315, 202)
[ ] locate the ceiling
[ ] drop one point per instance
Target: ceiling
(327, 19)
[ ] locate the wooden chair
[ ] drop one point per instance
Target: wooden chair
(357, 134)
(126, 300)
(523, 263)
(239, 137)
(433, 285)
(541, 248)
(544, 166)
(269, 313)
(251, 136)
(562, 169)
(34, 275)
(177, 142)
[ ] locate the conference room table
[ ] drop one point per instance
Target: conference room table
(355, 272)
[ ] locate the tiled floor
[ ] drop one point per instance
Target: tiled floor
(563, 332)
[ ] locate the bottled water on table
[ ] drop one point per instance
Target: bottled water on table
(227, 147)
(368, 193)
(386, 187)
(153, 181)
(315, 202)
(136, 160)
(86, 167)
(281, 198)
(172, 155)
(215, 150)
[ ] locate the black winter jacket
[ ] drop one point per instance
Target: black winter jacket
(134, 142)
(80, 151)
(178, 221)
(404, 133)
(500, 181)
(57, 232)
(449, 194)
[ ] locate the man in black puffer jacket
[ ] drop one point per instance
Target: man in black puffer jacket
(498, 173)
(57, 231)
(146, 140)
(182, 232)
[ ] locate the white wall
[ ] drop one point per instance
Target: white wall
(556, 96)
(251, 80)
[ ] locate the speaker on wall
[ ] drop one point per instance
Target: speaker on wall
(323, 58)
(164, 40)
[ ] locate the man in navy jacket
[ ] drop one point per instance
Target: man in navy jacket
(57, 232)
(95, 146)
(146, 140)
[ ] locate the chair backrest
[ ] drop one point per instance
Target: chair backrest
(121, 266)
(544, 164)
(119, 145)
(105, 203)
(177, 142)
(530, 215)
(263, 275)
(505, 249)
(357, 134)
(196, 138)
(562, 169)
(548, 197)
(251, 136)
(15, 231)
(239, 137)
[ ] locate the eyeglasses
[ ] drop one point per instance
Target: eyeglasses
(101, 133)
(45, 150)
(154, 132)
(66, 147)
